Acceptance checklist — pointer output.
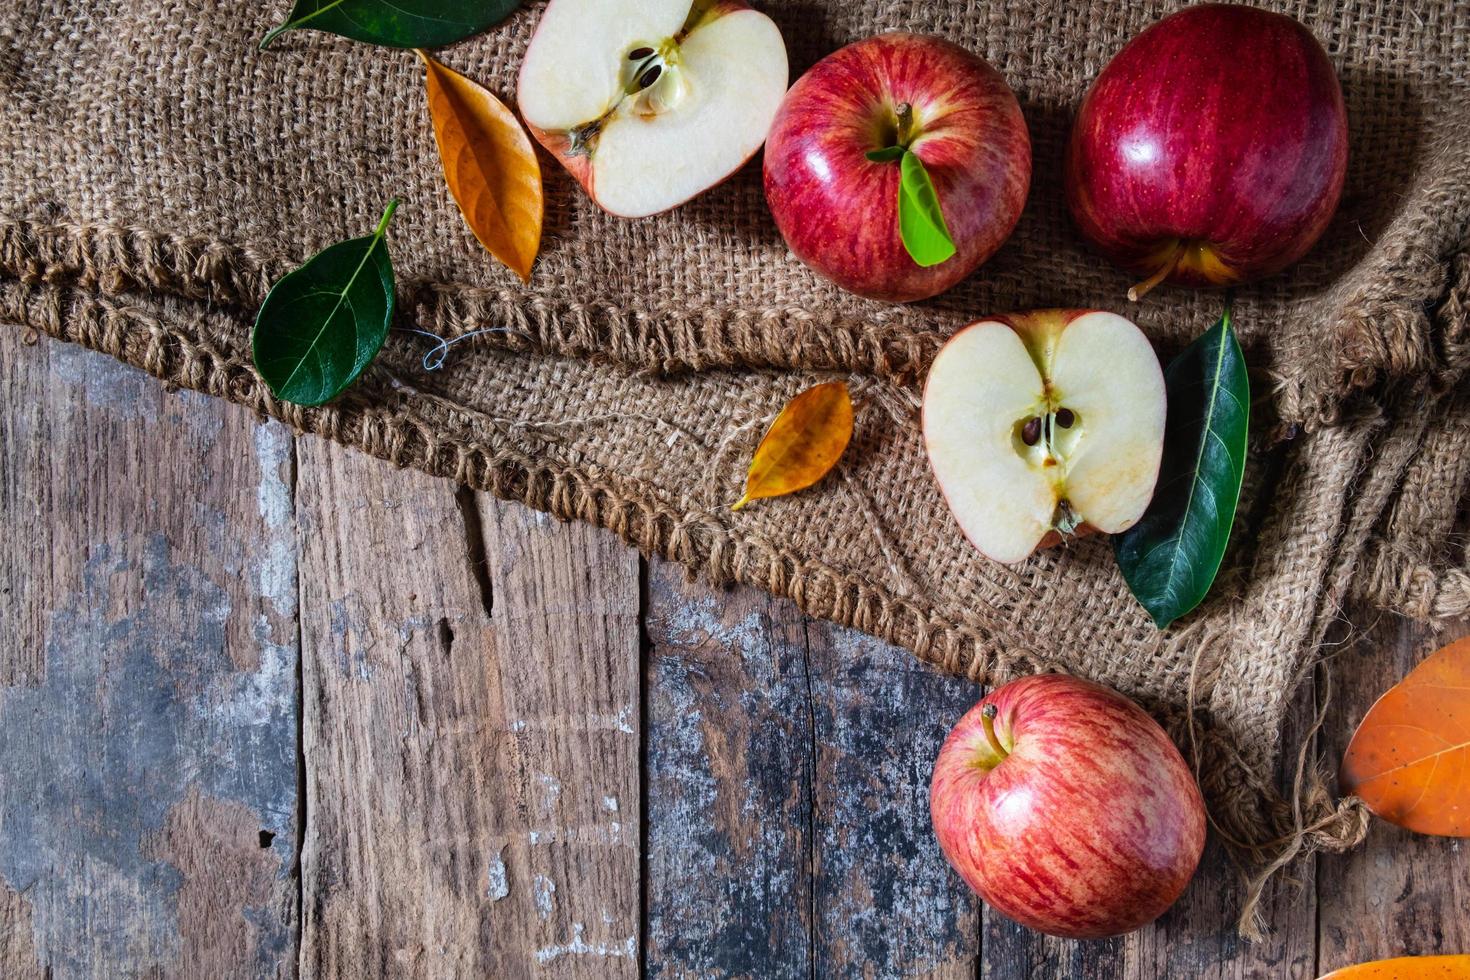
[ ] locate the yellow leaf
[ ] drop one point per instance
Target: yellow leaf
(1406, 968)
(489, 165)
(802, 445)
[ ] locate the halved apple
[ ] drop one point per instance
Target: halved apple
(649, 102)
(1045, 424)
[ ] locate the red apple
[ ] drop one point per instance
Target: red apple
(1067, 808)
(838, 210)
(1211, 150)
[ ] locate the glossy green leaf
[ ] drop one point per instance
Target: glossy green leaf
(1171, 556)
(920, 222)
(397, 23)
(323, 323)
(886, 155)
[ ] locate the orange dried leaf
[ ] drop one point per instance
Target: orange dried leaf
(802, 445)
(1406, 968)
(1409, 760)
(489, 165)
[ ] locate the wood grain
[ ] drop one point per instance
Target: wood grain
(730, 769)
(147, 733)
(788, 777)
(470, 733)
(887, 903)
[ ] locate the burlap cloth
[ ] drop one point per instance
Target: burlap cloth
(157, 173)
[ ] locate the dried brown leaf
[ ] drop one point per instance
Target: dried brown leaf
(804, 442)
(489, 165)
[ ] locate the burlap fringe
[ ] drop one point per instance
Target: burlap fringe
(668, 339)
(1308, 819)
(895, 345)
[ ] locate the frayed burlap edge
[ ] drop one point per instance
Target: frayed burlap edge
(1403, 347)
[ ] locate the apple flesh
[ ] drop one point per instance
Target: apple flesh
(1042, 425)
(649, 102)
(838, 210)
(1074, 815)
(1211, 150)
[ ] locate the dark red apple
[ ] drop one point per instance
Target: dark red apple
(1211, 150)
(1067, 808)
(838, 210)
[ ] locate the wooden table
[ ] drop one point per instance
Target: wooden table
(269, 707)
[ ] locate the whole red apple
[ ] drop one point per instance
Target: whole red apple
(1067, 808)
(838, 210)
(1211, 150)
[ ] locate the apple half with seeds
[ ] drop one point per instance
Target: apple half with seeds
(1044, 425)
(649, 102)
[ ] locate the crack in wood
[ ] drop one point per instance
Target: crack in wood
(474, 536)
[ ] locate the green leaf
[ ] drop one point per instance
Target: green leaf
(920, 222)
(323, 323)
(397, 23)
(1170, 557)
(886, 154)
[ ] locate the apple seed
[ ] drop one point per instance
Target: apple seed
(650, 76)
(1031, 431)
(1066, 417)
(638, 54)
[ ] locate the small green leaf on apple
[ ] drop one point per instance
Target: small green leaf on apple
(920, 222)
(1171, 556)
(886, 155)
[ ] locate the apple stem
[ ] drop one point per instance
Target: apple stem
(1141, 290)
(987, 722)
(905, 113)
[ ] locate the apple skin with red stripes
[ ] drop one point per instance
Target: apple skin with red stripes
(1213, 145)
(1090, 825)
(838, 210)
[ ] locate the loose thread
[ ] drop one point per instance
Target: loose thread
(434, 357)
(1339, 827)
(714, 486)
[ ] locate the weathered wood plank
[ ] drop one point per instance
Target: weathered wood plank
(471, 732)
(147, 732)
(729, 771)
(788, 773)
(1401, 893)
(888, 904)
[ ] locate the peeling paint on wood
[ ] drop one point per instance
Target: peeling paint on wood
(788, 821)
(498, 885)
(473, 738)
(140, 768)
(228, 915)
(729, 783)
(888, 904)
